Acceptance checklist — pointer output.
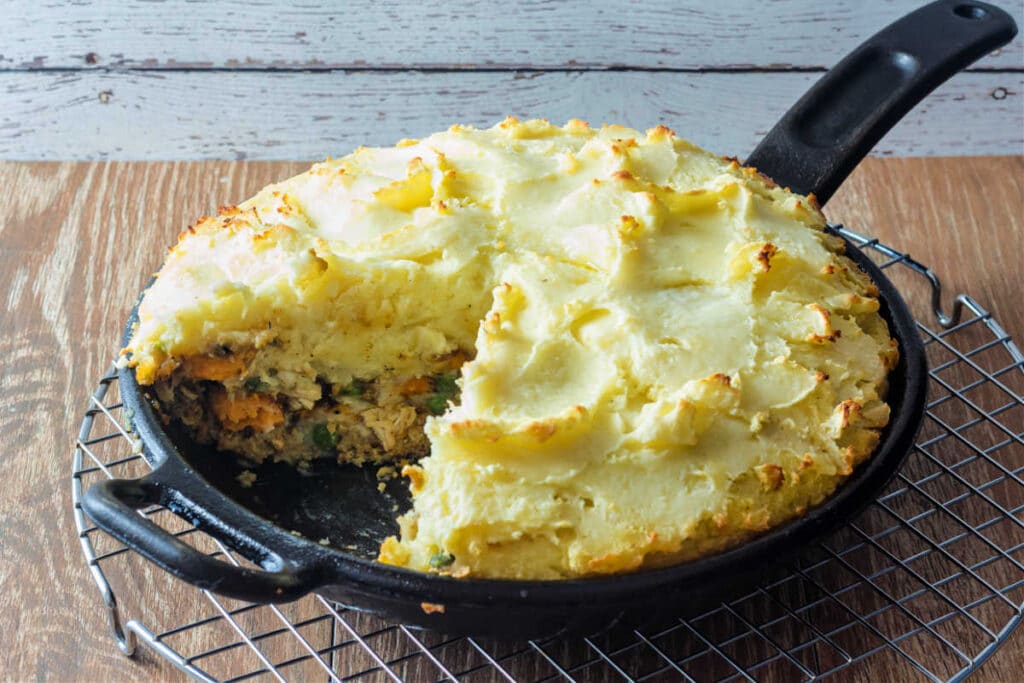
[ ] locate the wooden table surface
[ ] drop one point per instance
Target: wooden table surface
(78, 240)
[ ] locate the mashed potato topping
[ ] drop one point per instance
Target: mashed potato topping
(618, 349)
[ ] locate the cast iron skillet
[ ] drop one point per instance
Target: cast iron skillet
(812, 149)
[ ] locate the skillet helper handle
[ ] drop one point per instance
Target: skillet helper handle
(820, 140)
(113, 505)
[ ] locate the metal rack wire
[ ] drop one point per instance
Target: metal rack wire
(928, 580)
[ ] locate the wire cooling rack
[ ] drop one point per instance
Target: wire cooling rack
(926, 583)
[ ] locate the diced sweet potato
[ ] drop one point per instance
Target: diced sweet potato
(415, 386)
(237, 412)
(216, 368)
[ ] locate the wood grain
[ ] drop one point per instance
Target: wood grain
(245, 115)
(245, 80)
(954, 215)
(242, 34)
(78, 240)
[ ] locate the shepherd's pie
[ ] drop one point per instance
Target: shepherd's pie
(593, 350)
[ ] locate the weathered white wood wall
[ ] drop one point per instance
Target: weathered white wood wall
(262, 80)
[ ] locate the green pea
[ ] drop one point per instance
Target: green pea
(441, 560)
(445, 384)
(255, 385)
(356, 387)
(324, 439)
(437, 404)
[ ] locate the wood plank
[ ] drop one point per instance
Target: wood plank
(727, 34)
(242, 115)
(950, 226)
(74, 257)
(77, 241)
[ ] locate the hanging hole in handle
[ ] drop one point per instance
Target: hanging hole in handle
(972, 12)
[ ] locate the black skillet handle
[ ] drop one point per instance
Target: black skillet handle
(820, 140)
(113, 504)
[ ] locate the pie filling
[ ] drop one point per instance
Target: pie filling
(260, 416)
